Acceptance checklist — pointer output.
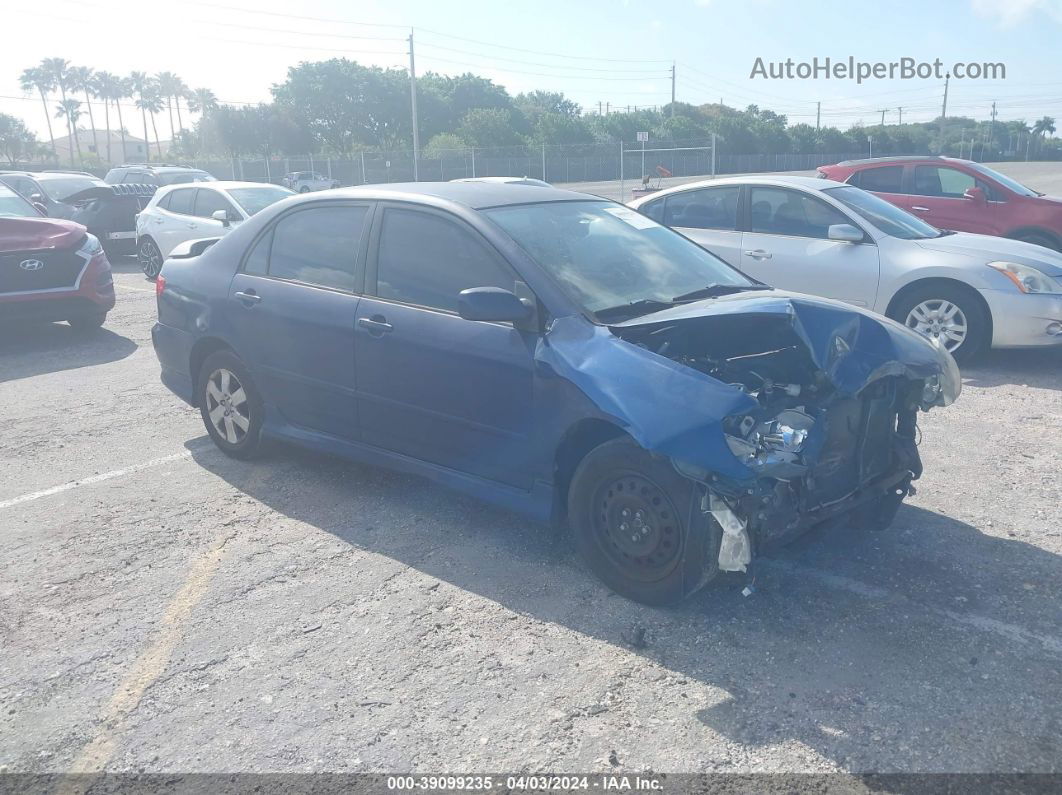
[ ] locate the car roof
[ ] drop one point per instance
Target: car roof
(223, 184)
(900, 159)
(43, 175)
(476, 195)
(775, 180)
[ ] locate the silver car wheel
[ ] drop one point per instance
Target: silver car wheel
(939, 320)
(226, 405)
(150, 259)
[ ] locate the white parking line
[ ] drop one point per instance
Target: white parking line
(134, 289)
(73, 484)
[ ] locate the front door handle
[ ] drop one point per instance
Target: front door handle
(920, 209)
(249, 298)
(376, 325)
(758, 253)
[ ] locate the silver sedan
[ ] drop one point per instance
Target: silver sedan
(817, 236)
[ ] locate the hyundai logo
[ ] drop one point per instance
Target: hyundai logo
(31, 264)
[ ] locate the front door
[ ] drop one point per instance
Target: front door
(938, 197)
(293, 305)
(787, 246)
(431, 384)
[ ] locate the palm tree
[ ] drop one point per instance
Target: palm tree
(105, 87)
(81, 80)
(167, 84)
(56, 70)
(151, 102)
(141, 83)
(202, 100)
(123, 89)
(70, 109)
(37, 79)
(1045, 126)
(181, 91)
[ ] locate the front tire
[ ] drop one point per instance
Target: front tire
(149, 257)
(304, 189)
(951, 315)
(1039, 240)
(638, 525)
(230, 405)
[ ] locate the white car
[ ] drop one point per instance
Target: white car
(826, 238)
(178, 213)
(306, 181)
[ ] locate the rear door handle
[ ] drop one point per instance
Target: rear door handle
(920, 209)
(758, 253)
(375, 325)
(249, 298)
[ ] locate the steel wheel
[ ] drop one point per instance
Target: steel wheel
(940, 320)
(150, 258)
(636, 524)
(226, 405)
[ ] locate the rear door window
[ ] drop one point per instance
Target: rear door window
(709, 208)
(317, 246)
(182, 201)
(884, 179)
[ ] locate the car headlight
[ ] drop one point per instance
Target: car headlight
(1027, 278)
(91, 246)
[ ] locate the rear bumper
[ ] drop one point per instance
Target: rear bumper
(1024, 321)
(174, 350)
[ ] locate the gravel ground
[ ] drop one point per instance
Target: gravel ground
(166, 609)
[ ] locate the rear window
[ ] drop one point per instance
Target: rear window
(58, 188)
(181, 201)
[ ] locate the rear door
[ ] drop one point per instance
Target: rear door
(787, 246)
(709, 217)
(432, 385)
(174, 223)
(293, 305)
(886, 181)
(938, 197)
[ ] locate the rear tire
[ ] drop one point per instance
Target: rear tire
(1039, 240)
(88, 322)
(944, 311)
(150, 258)
(304, 189)
(638, 525)
(230, 405)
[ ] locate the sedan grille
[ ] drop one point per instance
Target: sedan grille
(28, 271)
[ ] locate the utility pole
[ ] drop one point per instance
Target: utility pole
(600, 108)
(818, 113)
(608, 108)
(883, 116)
(672, 89)
(943, 115)
(900, 111)
(992, 129)
(413, 105)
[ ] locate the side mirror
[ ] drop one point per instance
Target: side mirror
(36, 198)
(491, 303)
(975, 194)
(221, 215)
(846, 233)
(39, 206)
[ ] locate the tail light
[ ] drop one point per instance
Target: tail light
(160, 285)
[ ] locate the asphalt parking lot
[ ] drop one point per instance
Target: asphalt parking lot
(166, 609)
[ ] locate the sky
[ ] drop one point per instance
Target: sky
(618, 53)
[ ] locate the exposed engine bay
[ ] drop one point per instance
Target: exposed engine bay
(814, 450)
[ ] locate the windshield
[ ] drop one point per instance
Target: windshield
(60, 187)
(181, 177)
(14, 206)
(1004, 180)
(889, 218)
(253, 200)
(607, 255)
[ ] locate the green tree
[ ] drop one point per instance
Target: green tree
(140, 86)
(37, 79)
(55, 71)
(70, 109)
(202, 100)
(444, 144)
(534, 104)
(168, 87)
(81, 79)
(16, 141)
(489, 127)
(106, 86)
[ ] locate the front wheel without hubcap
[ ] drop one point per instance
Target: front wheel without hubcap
(230, 405)
(150, 258)
(638, 525)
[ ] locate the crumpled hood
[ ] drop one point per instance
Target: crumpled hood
(678, 411)
(33, 234)
(988, 248)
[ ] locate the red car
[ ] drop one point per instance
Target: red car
(959, 195)
(50, 269)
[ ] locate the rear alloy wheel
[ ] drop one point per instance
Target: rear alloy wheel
(230, 405)
(948, 315)
(150, 258)
(638, 525)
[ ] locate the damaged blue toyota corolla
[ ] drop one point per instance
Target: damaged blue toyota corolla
(558, 354)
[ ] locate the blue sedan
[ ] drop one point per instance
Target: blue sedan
(560, 355)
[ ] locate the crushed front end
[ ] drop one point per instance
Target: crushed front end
(816, 405)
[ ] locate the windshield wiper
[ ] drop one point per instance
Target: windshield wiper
(713, 290)
(643, 306)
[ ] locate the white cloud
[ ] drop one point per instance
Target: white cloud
(1009, 13)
